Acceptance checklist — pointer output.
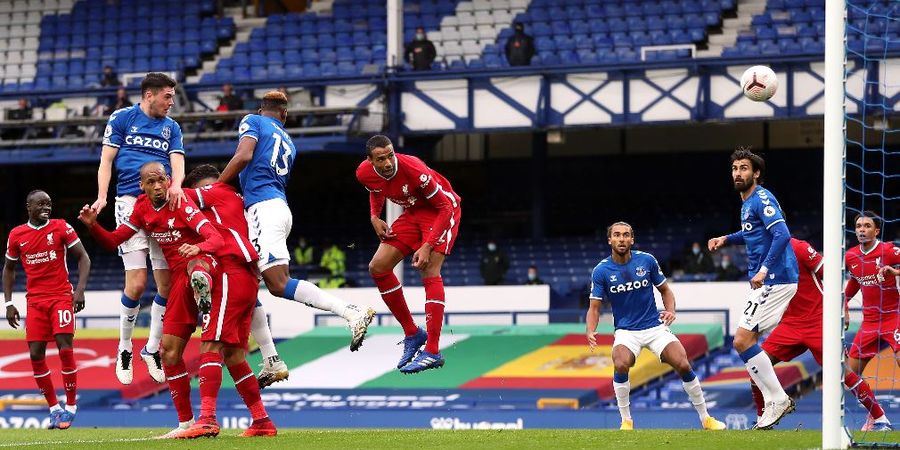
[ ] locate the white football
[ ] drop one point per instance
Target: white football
(759, 83)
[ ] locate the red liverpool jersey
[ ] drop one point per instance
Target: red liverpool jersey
(879, 296)
(805, 309)
(225, 208)
(171, 229)
(42, 251)
(413, 185)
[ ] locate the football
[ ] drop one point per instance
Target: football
(759, 83)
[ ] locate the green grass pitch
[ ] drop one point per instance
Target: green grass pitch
(140, 438)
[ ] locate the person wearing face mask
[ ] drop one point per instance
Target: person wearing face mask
(726, 271)
(519, 47)
(698, 261)
(494, 265)
(420, 52)
(533, 277)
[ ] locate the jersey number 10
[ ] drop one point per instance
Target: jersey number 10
(280, 147)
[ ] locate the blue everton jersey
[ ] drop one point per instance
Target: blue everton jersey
(140, 139)
(266, 176)
(630, 289)
(759, 214)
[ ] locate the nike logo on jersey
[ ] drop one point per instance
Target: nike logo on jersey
(854, 266)
(22, 244)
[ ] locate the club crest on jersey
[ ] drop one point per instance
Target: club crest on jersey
(171, 223)
(769, 211)
(405, 189)
(640, 271)
(745, 214)
(166, 132)
(612, 278)
(52, 255)
(134, 129)
(49, 238)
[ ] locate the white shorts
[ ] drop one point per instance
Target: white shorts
(655, 339)
(270, 224)
(765, 306)
(134, 250)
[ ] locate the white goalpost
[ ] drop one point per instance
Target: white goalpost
(833, 434)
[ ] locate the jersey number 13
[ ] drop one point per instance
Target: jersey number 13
(284, 150)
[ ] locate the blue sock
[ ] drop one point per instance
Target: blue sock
(750, 352)
(620, 377)
(160, 300)
(291, 288)
(128, 302)
(688, 377)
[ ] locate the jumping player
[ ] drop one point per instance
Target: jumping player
(227, 326)
(42, 244)
(262, 163)
(625, 280)
(427, 229)
(134, 136)
(773, 271)
(188, 242)
(800, 330)
(872, 266)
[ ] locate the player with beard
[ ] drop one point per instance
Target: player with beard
(773, 271)
(624, 279)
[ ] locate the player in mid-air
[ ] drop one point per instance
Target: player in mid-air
(134, 136)
(227, 326)
(626, 279)
(41, 245)
(872, 266)
(427, 229)
(800, 330)
(773, 271)
(188, 241)
(262, 163)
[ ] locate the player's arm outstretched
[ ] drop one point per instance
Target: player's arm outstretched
(9, 278)
(104, 175)
(736, 238)
(248, 135)
(106, 239)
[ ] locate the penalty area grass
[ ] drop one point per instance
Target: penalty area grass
(140, 438)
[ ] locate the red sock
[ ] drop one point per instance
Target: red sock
(757, 399)
(69, 374)
(863, 393)
(392, 293)
(44, 381)
(434, 312)
(248, 388)
(210, 382)
(180, 388)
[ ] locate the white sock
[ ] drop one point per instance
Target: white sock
(763, 374)
(695, 393)
(623, 390)
(311, 295)
(156, 327)
(882, 419)
(259, 329)
(55, 408)
(71, 408)
(127, 318)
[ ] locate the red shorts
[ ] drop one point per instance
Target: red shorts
(415, 225)
(234, 297)
(867, 342)
(789, 342)
(181, 310)
(47, 318)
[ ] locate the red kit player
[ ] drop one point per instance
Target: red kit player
(800, 330)
(870, 266)
(427, 229)
(227, 326)
(41, 245)
(188, 241)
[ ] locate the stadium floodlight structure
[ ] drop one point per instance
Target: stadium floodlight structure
(833, 430)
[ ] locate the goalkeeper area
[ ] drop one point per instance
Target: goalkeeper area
(140, 438)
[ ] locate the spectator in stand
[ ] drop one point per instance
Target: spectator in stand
(698, 260)
(726, 271)
(109, 77)
(121, 101)
(334, 261)
(519, 47)
(533, 277)
(22, 112)
(420, 52)
(228, 101)
(303, 252)
(494, 265)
